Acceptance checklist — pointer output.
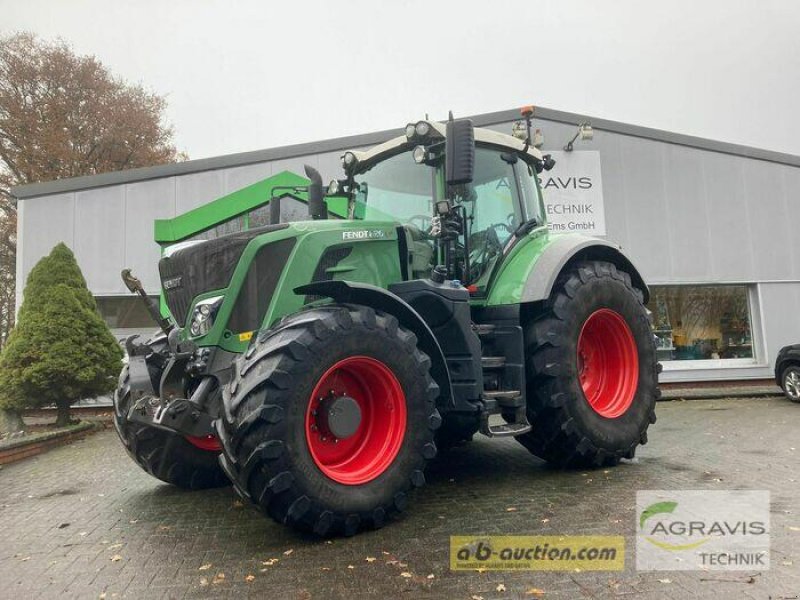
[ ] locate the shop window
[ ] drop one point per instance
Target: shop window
(125, 312)
(701, 322)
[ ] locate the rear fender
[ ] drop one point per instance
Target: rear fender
(380, 299)
(566, 250)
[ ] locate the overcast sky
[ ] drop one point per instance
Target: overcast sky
(245, 75)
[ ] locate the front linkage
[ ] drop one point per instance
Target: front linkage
(165, 405)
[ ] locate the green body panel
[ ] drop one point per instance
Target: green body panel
(509, 280)
(374, 259)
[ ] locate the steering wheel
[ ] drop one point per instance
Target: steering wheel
(484, 247)
(425, 222)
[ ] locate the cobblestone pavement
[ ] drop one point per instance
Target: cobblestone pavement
(84, 521)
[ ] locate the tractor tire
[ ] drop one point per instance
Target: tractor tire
(166, 456)
(790, 382)
(279, 430)
(592, 374)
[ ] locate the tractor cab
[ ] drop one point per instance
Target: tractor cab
(467, 224)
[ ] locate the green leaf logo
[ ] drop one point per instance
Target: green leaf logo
(656, 509)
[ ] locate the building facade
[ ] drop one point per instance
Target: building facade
(710, 225)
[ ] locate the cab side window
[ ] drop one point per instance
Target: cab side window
(493, 211)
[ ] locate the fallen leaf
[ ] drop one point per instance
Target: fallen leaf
(102, 596)
(132, 521)
(164, 527)
(538, 592)
(323, 568)
(205, 567)
(115, 547)
(370, 559)
(665, 581)
(545, 520)
(384, 552)
(786, 563)
(26, 558)
(288, 552)
(238, 504)
(350, 567)
(270, 562)
(500, 587)
(203, 581)
(116, 558)
(793, 528)
(218, 578)
(406, 574)
(476, 597)
(62, 525)
(250, 578)
(431, 576)
(83, 533)
(511, 509)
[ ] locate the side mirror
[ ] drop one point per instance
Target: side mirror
(316, 205)
(459, 152)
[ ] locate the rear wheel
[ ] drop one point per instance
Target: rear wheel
(191, 463)
(790, 380)
(591, 369)
(329, 422)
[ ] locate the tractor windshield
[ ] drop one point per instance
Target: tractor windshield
(397, 189)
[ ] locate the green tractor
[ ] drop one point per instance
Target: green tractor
(319, 365)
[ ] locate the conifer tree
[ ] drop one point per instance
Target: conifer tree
(61, 350)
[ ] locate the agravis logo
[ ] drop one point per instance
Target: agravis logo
(702, 529)
(659, 527)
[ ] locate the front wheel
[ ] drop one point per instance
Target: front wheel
(186, 462)
(591, 369)
(790, 380)
(330, 420)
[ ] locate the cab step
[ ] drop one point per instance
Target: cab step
(493, 362)
(483, 329)
(519, 426)
(505, 398)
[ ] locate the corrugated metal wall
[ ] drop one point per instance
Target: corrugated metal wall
(684, 214)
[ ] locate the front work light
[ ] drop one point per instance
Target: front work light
(420, 154)
(203, 316)
(348, 159)
(422, 129)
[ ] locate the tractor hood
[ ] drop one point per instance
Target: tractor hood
(191, 268)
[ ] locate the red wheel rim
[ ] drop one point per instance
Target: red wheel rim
(206, 442)
(364, 455)
(608, 363)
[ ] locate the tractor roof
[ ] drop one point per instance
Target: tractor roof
(488, 137)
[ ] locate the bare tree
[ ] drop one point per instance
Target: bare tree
(66, 115)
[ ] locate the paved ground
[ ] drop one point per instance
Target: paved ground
(84, 521)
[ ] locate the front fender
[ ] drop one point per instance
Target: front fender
(380, 299)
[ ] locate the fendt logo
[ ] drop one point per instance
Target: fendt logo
(702, 530)
(364, 234)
